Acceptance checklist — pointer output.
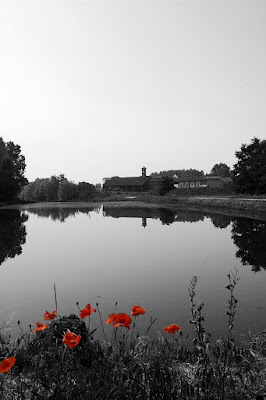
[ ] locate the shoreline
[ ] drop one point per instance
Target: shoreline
(239, 207)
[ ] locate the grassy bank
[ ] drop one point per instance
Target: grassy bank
(127, 366)
(211, 198)
(215, 199)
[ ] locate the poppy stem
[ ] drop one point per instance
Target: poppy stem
(131, 340)
(55, 299)
(152, 322)
(89, 324)
(97, 305)
(63, 352)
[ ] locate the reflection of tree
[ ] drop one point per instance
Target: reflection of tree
(61, 213)
(12, 233)
(250, 238)
(221, 221)
(166, 216)
(189, 216)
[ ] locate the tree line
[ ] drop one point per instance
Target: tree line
(56, 188)
(248, 176)
(220, 169)
(248, 173)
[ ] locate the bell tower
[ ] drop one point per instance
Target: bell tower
(143, 171)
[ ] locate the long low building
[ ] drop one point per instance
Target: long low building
(202, 181)
(146, 183)
(141, 183)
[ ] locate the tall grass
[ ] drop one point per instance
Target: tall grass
(129, 366)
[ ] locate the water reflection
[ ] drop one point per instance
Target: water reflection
(12, 233)
(249, 235)
(250, 238)
(165, 215)
(62, 213)
(221, 221)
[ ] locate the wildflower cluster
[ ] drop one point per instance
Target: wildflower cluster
(71, 339)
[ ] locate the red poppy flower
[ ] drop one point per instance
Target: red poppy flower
(172, 328)
(112, 318)
(71, 339)
(6, 364)
(48, 316)
(122, 319)
(40, 327)
(137, 310)
(87, 311)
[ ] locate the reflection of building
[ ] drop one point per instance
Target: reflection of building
(202, 181)
(133, 212)
(144, 222)
(141, 183)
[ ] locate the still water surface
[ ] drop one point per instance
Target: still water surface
(144, 256)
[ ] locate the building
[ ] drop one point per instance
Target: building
(202, 181)
(141, 183)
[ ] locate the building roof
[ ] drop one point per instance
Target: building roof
(190, 179)
(203, 178)
(131, 181)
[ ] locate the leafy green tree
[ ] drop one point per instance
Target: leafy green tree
(167, 184)
(221, 170)
(249, 173)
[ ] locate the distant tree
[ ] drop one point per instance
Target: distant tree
(67, 191)
(19, 165)
(56, 188)
(85, 191)
(98, 187)
(12, 167)
(221, 170)
(181, 173)
(249, 173)
(27, 193)
(166, 185)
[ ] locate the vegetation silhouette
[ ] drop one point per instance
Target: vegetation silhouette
(250, 238)
(61, 213)
(221, 221)
(12, 233)
(249, 172)
(12, 168)
(167, 216)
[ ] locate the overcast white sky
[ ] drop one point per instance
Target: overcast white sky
(96, 88)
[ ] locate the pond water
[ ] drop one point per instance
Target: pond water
(131, 255)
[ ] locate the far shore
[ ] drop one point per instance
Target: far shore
(227, 205)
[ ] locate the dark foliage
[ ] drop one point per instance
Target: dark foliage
(12, 168)
(166, 184)
(12, 233)
(249, 173)
(221, 169)
(56, 188)
(181, 173)
(250, 238)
